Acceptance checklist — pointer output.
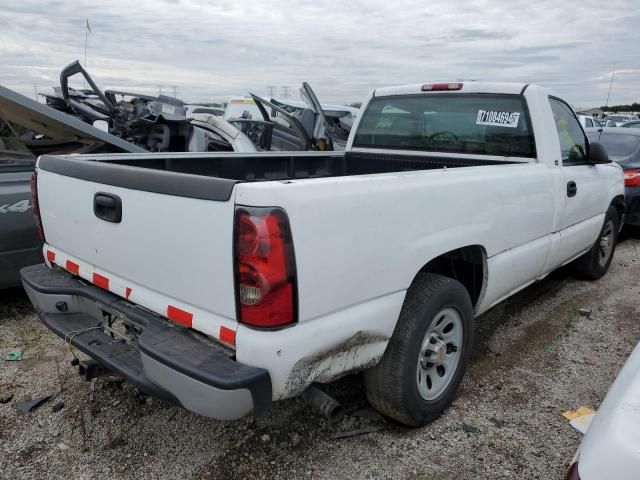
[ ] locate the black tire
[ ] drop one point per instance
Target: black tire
(391, 385)
(594, 264)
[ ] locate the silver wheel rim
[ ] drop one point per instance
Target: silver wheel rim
(606, 244)
(439, 354)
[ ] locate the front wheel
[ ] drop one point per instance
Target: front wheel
(595, 263)
(419, 374)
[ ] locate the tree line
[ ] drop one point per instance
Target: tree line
(634, 107)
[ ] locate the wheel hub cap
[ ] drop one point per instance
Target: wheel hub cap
(435, 353)
(439, 354)
(606, 243)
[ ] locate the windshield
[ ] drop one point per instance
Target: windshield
(480, 124)
(242, 108)
(619, 118)
(619, 145)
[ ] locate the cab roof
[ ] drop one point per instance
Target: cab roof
(466, 87)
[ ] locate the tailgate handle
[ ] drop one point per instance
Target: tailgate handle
(107, 207)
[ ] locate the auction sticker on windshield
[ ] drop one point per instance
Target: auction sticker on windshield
(498, 119)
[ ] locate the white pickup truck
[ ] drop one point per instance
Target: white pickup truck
(223, 282)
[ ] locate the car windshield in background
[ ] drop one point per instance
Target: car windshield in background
(478, 124)
(620, 145)
(618, 118)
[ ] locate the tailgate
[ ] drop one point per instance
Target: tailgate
(171, 250)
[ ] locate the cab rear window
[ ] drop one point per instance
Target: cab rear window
(480, 124)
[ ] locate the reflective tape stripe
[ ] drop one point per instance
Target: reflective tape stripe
(227, 335)
(100, 281)
(118, 286)
(180, 316)
(73, 267)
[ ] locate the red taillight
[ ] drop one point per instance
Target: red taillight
(264, 267)
(35, 204)
(631, 178)
(436, 87)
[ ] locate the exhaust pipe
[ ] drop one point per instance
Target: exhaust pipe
(323, 404)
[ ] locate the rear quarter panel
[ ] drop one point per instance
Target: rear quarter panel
(363, 237)
(359, 242)
(20, 245)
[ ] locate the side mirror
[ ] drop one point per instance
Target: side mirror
(598, 154)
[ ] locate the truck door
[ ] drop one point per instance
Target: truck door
(320, 134)
(288, 133)
(581, 216)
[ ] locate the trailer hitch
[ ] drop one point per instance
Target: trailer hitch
(90, 369)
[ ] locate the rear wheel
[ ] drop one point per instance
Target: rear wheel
(595, 263)
(419, 374)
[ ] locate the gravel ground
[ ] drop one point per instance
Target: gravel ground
(535, 357)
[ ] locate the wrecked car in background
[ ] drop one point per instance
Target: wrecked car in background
(29, 129)
(156, 124)
(307, 124)
(167, 124)
(89, 120)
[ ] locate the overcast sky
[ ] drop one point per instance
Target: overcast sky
(215, 49)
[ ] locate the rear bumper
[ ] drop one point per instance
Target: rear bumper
(166, 360)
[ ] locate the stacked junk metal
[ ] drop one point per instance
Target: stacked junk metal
(167, 124)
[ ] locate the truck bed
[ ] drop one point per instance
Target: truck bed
(265, 166)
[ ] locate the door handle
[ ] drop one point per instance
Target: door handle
(107, 207)
(572, 189)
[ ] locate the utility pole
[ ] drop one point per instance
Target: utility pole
(610, 84)
(174, 88)
(159, 90)
(285, 91)
(87, 31)
(270, 87)
(35, 91)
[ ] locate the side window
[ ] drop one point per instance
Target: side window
(573, 143)
(588, 122)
